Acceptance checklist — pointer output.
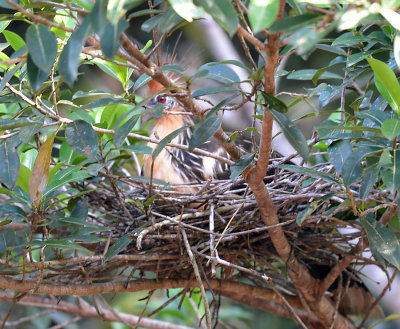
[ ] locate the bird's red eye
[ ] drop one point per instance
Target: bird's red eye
(162, 99)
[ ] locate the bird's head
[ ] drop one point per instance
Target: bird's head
(168, 102)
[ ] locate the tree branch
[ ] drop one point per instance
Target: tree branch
(85, 310)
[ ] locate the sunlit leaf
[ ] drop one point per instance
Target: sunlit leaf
(14, 40)
(387, 78)
(391, 128)
(187, 10)
(262, 13)
(223, 12)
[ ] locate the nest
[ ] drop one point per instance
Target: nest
(219, 229)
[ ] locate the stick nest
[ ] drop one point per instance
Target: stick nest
(223, 227)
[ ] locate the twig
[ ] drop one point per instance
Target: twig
(198, 277)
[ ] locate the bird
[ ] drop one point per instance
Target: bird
(174, 165)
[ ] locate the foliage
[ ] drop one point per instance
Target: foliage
(58, 140)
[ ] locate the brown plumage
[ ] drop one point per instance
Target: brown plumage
(178, 166)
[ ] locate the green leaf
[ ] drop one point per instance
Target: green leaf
(40, 173)
(391, 16)
(63, 177)
(8, 124)
(376, 116)
(352, 167)
(308, 74)
(172, 68)
(348, 39)
(36, 76)
(391, 128)
(59, 244)
(238, 167)
(27, 132)
(304, 214)
(223, 12)
(102, 102)
(69, 60)
(7, 77)
(309, 172)
(3, 25)
(219, 72)
(388, 79)
(206, 128)
(141, 81)
(274, 102)
(9, 164)
(98, 16)
(292, 133)
(166, 22)
(124, 130)
(262, 14)
(166, 140)
(187, 10)
(383, 241)
(23, 178)
(138, 149)
(81, 211)
(208, 125)
(82, 138)
(293, 23)
(391, 176)
(42, 46)
(145, 12)
(329, 48)
(386, 94)
(338, 153)
(118, 246)
(14, 40)
(370, 177)
(212, 90)
(110, 39)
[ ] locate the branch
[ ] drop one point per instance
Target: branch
(223, 286)
(85, 310)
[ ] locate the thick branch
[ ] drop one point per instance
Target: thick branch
(85, 310)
